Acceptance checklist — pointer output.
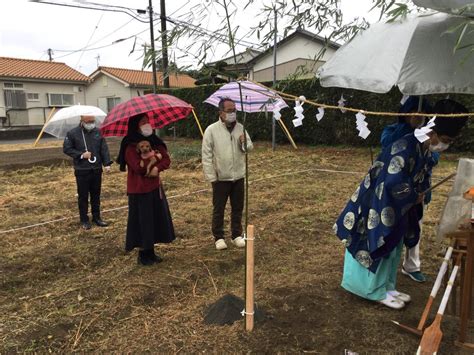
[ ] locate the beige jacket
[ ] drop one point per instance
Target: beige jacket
(223, 157)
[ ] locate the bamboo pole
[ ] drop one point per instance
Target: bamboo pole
(249, 290)
(44, 126)
(283, 126)
(198, 123)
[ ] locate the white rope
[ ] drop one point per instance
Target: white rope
(107, 210)
(244, 313)
(187, 194)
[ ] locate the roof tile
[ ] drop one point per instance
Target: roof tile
(145, 78)
(39, 69)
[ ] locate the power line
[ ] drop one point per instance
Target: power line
(93, 43)
(113, 8)
(92, 35)
(91, 8)
(101, 47)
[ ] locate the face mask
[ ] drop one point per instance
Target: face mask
(438, 147)
(88, 126)
(230, 117)
(146, 130)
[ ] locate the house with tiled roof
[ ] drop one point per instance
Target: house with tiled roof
(29, 89)
(110, 86)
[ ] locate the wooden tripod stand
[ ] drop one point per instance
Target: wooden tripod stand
(461, 249)
(466, 243)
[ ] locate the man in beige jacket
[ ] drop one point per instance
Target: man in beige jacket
(223, 161)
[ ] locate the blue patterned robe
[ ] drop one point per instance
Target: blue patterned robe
(382, 210)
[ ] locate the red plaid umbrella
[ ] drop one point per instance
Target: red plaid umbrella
(161, 110)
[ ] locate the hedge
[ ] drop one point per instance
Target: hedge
(336, 128)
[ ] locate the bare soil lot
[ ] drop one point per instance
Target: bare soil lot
(64, 290)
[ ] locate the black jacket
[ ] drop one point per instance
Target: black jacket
(96, 144)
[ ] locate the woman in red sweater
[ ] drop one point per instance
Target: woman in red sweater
(149, 218)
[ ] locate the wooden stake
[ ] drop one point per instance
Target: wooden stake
(436, 286)
(198, 123)
(44, 126)
(426, 312)
(433, 335)
(249, 289)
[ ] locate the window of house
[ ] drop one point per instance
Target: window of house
(58, 100)
(112, 102)
(15, 99)
(13, 86)
(14, 95)
(32, 96)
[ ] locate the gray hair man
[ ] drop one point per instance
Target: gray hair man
(89, 152)
(223, 161)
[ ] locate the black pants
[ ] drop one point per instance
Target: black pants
(88, 182)
(221, 191)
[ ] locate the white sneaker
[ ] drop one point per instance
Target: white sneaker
(392, 302)
(239, 242)
(220, 244)
(400, 296)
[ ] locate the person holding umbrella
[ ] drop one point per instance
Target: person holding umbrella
(384, 211)
(89, 151)
(391, 133)
(223, 161)
(149, 218)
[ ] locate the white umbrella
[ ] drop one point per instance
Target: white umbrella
(67, 118)
(415, 54)
(464, 7)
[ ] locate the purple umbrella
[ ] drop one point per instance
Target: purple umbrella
(255, 97)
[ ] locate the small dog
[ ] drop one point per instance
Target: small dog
(149, 158)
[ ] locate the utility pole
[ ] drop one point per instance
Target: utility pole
(50, 54)
(152, 39)
(164, 44)
(274, 75)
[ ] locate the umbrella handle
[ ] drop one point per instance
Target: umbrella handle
(91, 160)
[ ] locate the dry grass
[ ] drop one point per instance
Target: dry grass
(65, 290)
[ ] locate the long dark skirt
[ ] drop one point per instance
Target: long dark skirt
(149, 220)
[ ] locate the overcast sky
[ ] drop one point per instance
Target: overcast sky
(28, 29)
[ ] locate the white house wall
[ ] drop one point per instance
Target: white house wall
(101, 89)
(303, 68)
(297, 48)
(38, 111)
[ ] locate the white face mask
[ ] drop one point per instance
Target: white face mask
(88, 126)
(437, 148)
(230, 117)
(146, 130)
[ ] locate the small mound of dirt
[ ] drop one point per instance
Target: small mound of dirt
(227, 310)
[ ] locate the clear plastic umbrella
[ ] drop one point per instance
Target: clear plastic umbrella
(69, 117)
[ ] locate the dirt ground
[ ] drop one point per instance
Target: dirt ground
(64, 289)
